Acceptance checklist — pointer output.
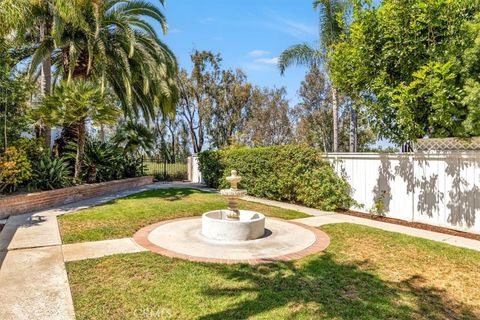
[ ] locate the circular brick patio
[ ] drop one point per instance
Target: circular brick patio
(283, 241)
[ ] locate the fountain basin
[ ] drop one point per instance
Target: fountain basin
(217, 226)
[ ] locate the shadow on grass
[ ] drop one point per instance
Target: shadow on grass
(171, 194)
(321, 287)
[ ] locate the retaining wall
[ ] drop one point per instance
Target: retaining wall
(24, 203)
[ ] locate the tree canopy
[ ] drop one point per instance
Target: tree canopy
(415, 66)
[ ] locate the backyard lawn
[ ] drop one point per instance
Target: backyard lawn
(365, 273)
(123, 217)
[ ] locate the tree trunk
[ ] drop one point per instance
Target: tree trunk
(5, 128)
(46, 85)
(353, 130)
(80, 149)
(102, 133)
(335, 118)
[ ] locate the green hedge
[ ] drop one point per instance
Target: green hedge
(292, 173)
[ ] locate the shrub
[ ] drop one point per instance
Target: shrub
(132, 167)
(101, 162)
(293, 173)
(51, 173)
(211, 167)
(15, 168)
(34, 148)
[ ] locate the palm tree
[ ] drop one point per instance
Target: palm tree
(73, 103)
(331, 28)
(112, 43)
(135, 138)
(13, 13)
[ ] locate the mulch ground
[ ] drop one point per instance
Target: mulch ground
(416, 225)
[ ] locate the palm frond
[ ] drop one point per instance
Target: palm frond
(300, 54)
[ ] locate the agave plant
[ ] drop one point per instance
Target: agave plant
(51, 173)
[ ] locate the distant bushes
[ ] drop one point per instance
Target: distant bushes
(293, 173)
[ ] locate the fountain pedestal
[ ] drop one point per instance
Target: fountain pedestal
(233, 224)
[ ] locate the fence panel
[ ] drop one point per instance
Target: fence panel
(438, 189)
(163, 170)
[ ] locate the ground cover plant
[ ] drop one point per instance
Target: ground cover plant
(365, 273)
(123, 217)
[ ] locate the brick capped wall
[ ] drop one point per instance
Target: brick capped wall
(14, 205)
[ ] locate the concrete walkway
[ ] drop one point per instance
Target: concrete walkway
(33, 278)
(97, 249)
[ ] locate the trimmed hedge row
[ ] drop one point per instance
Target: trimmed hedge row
(292, 173)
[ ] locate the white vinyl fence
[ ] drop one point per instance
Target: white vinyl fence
(194, 174)
(437, 189)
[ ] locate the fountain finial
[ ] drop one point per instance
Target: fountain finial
(234, 179)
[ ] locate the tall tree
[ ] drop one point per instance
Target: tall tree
(313, 112)
(314, 116)
(409, 63)
(195, 103)
(230, 107)
(75, 103)
(215, 102)
(332, 14)
(15, 91)
(112, 42)
(269, 123)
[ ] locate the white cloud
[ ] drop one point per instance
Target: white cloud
(273, 60)
(207, 20)
(174, 30)
(291, 27)
(299, 29)
(258, 53)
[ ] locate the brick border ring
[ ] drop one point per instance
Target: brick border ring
(319, 244)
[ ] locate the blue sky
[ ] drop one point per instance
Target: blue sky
(249, 34)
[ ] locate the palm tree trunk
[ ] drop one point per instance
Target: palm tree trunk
(335, 118)
(102, 133)
(5, 128)
(353, 130)
(80, 148)
(46, 85)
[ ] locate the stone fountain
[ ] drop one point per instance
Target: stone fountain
(233, 224)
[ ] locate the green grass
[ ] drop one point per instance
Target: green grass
(364, 274)
(123, 217)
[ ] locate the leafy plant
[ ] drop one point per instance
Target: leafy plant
(323, 188)
(132, 167)
(293, 173)
(134, 137)
(15, 168)
(102, 162)
(51, 173)
(378, 208)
